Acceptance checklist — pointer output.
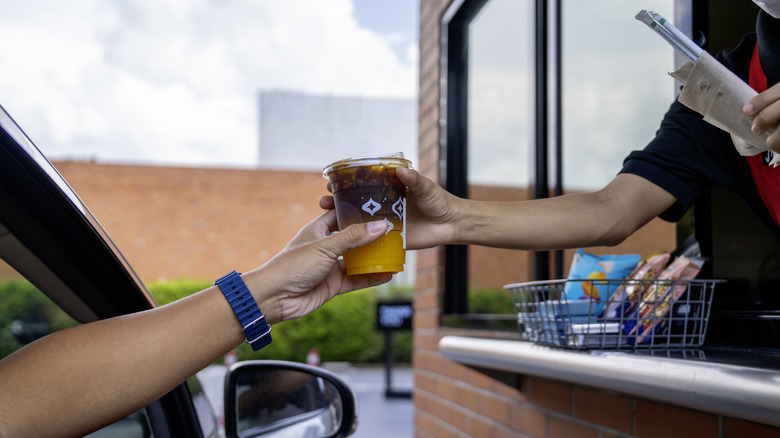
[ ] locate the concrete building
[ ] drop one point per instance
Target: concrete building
(306, 132)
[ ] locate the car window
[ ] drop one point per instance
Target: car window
(26, 314)
(204, 408)
(135, 425)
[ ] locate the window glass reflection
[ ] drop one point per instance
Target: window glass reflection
(500, 136)
(500, 94)
(616, 86)
(274, 402)
(26, 313)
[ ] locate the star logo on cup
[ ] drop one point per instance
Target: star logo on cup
(399, 208)
(371, 207)
(389, 226)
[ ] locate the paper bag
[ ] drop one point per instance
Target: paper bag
(715, 92)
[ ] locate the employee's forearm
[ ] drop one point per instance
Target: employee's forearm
(604, 217)
(555, 223)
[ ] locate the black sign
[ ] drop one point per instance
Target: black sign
(394, 315)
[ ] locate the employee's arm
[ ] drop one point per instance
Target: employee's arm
(604, 217)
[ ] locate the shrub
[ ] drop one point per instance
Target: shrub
(494, 301)
(23, 302)
(167, 291)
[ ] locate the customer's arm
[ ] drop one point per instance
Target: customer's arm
(82, 378)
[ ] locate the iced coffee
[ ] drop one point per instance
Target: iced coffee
(367, 189)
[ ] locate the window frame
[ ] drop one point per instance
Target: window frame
(454, 140)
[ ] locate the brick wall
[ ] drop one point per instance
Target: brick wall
(436, 412)
(175, 222)
(185, 222)
(452, 400)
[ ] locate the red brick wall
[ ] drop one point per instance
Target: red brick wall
(185, 222)
(174, 222)
(452, 400)
(436, 413)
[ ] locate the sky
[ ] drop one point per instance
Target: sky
(176, 82)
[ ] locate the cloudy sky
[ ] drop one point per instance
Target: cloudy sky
(176, 81)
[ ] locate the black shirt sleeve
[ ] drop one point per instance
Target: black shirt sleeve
(689, 155)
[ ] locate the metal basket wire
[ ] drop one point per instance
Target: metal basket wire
(646, 314)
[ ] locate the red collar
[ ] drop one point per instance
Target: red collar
(756, 77)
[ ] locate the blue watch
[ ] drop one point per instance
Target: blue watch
(257, 330)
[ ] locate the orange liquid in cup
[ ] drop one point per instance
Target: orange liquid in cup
(385, 254)
(365, 190)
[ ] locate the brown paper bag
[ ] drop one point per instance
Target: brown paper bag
(715, 92)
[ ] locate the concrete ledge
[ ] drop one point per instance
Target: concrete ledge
(736, 391)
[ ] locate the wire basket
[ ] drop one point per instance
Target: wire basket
(659, 314)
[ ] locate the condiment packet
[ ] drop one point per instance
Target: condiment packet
(625, 297)
(657, 300)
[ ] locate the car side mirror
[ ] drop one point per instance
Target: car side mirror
(273, 399)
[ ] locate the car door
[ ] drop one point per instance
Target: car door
(67, 271)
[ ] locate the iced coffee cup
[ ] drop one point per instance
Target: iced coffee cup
(367, 189)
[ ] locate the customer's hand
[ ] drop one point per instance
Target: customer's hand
(766, 109)
(308, 272)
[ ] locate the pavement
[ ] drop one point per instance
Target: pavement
(379, 415)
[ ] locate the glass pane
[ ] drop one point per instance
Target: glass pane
(276, 402)
(500, 94)
(135, 425)
(500, 137)
(616, 86)
(26, 314)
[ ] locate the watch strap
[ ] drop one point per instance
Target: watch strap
(256, 328)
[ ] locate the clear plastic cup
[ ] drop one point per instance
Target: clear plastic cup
(367, 189)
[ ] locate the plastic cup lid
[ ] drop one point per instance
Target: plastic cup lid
(390, 160)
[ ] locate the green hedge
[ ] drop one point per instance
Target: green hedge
(21, 301)
(493, 301)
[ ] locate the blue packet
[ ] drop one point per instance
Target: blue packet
(596, 269)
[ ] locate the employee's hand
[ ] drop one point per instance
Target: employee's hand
(766, 109)
(308, 272)
(430, 211)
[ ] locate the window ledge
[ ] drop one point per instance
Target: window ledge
(737, 391)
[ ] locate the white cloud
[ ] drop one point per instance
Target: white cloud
(176, 81)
